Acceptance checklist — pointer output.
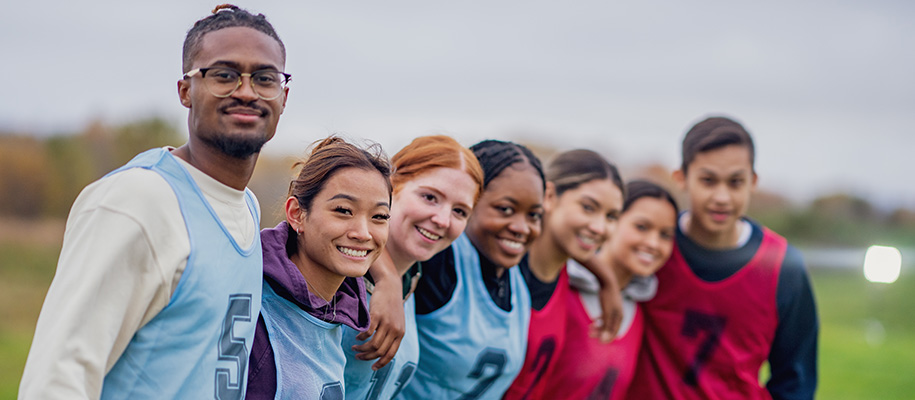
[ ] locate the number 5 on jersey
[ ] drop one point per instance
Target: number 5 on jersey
(233, 349)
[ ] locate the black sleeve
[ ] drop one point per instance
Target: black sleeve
(437, 283)
(793, 357)
(541, 292)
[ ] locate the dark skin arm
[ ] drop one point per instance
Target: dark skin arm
(387, 325)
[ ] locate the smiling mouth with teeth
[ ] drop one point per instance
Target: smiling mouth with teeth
(512, 244)
(587, 240)
(645, 257)
(427, 234)
(352, 252)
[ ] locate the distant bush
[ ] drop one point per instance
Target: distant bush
(24, 177)
(42, 177)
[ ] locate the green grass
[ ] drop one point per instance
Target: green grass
(857, 361)
(25, 274)
(14, 348)
(867, 337)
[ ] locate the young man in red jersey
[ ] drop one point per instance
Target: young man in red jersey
(733, 294)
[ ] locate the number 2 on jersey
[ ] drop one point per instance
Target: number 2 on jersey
(694, 323)
(380, 376)
(495, 359)
(541, 362)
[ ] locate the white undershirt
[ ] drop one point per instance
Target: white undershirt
(124, 250)
(640, 289)
(746, 230)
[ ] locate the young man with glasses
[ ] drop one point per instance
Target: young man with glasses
(158, 285)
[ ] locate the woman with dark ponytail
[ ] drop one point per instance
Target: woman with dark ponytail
(584, 195)
(336, 226)
(641, 244)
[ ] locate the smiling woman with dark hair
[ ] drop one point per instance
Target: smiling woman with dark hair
(336, 226)
(641, 243)
(583, 198)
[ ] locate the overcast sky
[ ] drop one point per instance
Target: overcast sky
(826, 87)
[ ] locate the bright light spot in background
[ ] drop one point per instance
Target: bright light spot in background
(882, 264)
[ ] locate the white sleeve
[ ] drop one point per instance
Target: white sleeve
(110, 281)
(580, 278)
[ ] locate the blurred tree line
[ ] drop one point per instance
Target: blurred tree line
(837, 219)
(41, 177)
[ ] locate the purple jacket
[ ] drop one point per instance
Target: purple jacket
(286, 279)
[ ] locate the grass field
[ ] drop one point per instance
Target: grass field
(867, 339)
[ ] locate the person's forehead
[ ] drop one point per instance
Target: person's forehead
(239, 45)
(358, 185)
(731, 158)
(517, 177)
(649, 207)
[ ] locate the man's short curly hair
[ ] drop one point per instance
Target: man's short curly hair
(224, 16)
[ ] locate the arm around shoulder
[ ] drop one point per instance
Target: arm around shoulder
(387, 324)
(610, 296)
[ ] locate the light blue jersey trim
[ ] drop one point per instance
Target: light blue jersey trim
(470, 348)
(307, 351)
(197, 346)
(386, 383)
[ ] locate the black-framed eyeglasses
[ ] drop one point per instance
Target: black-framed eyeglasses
(222, 82)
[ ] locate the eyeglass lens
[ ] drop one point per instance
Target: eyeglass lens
(222, 82)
